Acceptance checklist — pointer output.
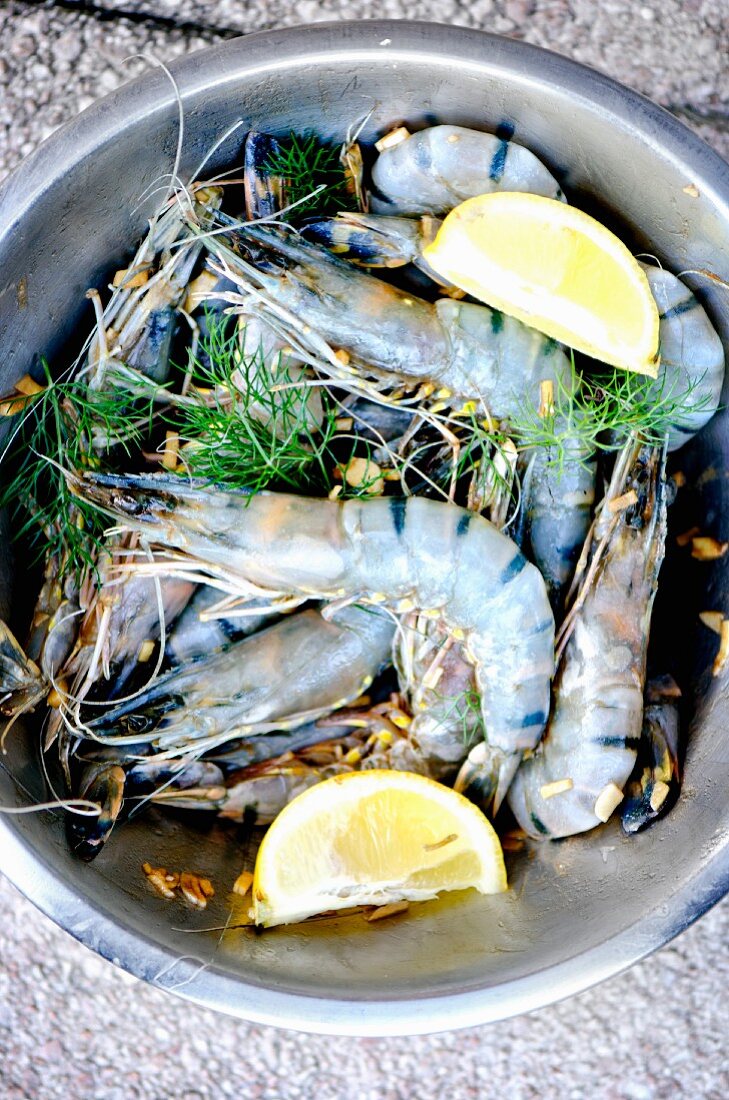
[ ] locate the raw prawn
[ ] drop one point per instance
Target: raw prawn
(575, 778)
(403, 552)
(470, 350)
(299, 669)
(475, 353)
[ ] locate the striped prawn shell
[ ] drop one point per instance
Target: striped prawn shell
(576, 777)
(404, 553)
(434, 170)
(692, 356)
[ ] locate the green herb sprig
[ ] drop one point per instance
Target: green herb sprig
(251, 425)
(599, 408)
(306, 163)
(53, 436)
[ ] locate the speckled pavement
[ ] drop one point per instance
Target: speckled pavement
(57, 57)
(73, 1026)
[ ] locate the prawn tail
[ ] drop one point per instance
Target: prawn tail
(22, 683)
(104, 784)
(485, 776)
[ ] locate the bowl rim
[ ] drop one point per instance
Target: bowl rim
(91, 923)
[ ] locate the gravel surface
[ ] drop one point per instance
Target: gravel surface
(73, 1026)
(58, 57)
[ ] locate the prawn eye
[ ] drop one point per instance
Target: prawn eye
(129, 504)
(139, 723)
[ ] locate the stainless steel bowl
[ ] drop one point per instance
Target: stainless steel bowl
(579, 910)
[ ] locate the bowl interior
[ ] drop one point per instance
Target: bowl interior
(578, 910)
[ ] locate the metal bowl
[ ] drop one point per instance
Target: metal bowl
(579, 910)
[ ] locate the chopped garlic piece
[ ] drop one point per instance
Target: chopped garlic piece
(171, 452)
(723, 653)
(705, 548)
(659, 795)
(712, 619)
(11, 406)
(685, 538)
(196, 889)
(363, 471)
(546, 398)
(619, 504)
(393, 138)
(243, 883)
(559, 786)
(199, 289)
(390, 910)
(28, 386)
(165, 882)
(608, 799)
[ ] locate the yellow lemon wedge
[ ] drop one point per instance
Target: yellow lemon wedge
(371, 838)
(556, 269)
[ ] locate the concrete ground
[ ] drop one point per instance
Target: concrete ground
(73, 1026)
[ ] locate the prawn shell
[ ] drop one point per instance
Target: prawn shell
(447, 561)
(264, 189)
(434, 170)
(692, 356)
(595, 725)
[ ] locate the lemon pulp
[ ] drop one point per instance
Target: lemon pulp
(370, 838)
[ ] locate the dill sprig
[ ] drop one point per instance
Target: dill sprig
(251, 424)
(465, 710)
(54, 436)
(599, 408)
(305, 162)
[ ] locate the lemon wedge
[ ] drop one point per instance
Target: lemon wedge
(554, 268)
(371, 838)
